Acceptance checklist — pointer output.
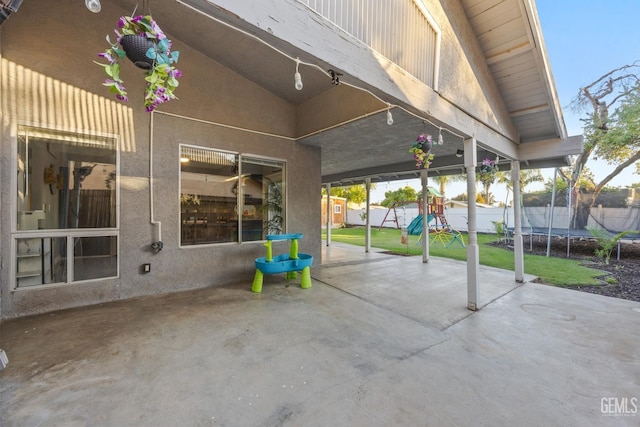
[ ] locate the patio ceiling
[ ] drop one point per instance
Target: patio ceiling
(363, 145)
(510, 37)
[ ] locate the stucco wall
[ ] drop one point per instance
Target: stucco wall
(48, 80)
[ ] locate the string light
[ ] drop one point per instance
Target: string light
(440, 139)
(297, 78)
(93, 5)
(389, 116)
(297, 60)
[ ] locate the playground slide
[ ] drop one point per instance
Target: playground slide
(415, 228)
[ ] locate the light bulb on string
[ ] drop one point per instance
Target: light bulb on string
(440, 139)
(297, 78)
(93, 5)
(389, 116)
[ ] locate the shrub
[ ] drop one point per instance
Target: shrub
(606, 242)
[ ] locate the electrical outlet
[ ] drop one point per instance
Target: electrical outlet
(146, 268)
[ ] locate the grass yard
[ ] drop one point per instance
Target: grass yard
(555, 271)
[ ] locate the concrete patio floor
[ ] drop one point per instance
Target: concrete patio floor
(379, 340)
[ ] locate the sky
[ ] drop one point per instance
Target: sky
(585, 39)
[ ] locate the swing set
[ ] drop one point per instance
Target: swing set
(440, 231)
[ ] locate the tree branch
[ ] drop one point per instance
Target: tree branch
(581, 161)
(617, 171)
(603, 86)
(623, 94)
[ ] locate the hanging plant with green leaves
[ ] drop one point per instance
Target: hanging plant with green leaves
(488, 171)
(141, 40)
(421, 149)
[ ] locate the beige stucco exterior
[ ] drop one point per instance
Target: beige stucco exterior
(48, 80)
(236, 94)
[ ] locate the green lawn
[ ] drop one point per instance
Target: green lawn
(555, 271)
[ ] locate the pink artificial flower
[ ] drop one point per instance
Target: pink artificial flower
(107, 56)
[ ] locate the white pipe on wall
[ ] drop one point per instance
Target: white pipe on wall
(152, 220)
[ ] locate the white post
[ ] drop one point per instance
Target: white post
(367, 234)
(425, 215)
(473, 252)
(328, 222)
(569, 204)
(553, 206)
(518, 249)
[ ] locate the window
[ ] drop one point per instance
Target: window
(228, 197)
(337, 208)
(66, 225)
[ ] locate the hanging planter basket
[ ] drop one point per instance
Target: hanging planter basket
(142, 41)
(136, 48)
(421, 149)
(488, 171)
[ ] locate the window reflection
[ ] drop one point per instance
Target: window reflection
(225, 197)
(262, 198)
(66, 188)
(40, 261)
(65, 182)
(95, 257)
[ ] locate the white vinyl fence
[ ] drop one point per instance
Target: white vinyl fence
(456, 217)
(612, 219)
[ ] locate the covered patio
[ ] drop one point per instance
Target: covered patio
(366, 345)
(336, 100)
(364, 107)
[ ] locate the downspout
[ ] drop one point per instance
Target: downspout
(156, 245)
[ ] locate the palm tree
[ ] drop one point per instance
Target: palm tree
(443, 180)
(527, 176)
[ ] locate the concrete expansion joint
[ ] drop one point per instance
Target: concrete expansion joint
(445, 338)
(480, 308)
(400, 314)
(342, 290)
(354, 262)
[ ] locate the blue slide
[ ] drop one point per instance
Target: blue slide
(415, 228)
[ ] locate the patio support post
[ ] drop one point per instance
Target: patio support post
(553, 208)
(473, 253)
(367, 233)
(328, 214)
(517, 222)
(424, 176)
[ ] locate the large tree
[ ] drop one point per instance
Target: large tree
(353, 193)
(612, 130)
(400, 197)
